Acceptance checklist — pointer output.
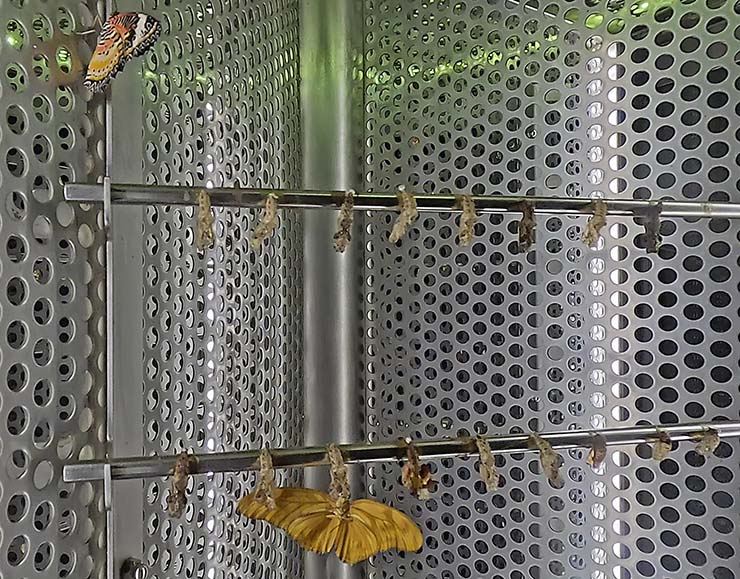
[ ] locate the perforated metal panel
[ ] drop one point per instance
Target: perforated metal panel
(584, 98)
(51, 310)
(580, 99)
(223, 365)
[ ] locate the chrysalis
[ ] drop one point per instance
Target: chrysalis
(487, 466)
(265, 491)
(662, 446)
(177, 499)
(597, 453)
(346, 215)
(417, 477)
(268, 221)
(204, 226)
(595, 223)
(527, 225)
(408, 214)
(708, 442)
(549, 459)
(467, 219)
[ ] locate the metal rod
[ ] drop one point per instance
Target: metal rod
(159, 466)
(302, 199)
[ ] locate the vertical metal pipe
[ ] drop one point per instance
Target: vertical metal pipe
(124, 342)
(110, 567)
(332, 409)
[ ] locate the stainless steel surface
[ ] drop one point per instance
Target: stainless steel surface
(160, 465)
(109, 297)
(130, 194)
(111, 109)
(133, 569)
(222, 329)
(52, 302)
(579, 99)
(331, 315)
(124, 328)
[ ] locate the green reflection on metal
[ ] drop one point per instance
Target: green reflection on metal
(615, 26)
(64, 59)
(594, 20)
(479, 57)
(532, 47)
(40, 67)
(640, 8)
(15, 36)
(572, 16)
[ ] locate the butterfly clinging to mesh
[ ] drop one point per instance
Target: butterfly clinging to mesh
(322, 522)
(123, 36)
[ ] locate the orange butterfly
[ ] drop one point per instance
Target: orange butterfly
(322, 522)
(124, 36)
(315, 521)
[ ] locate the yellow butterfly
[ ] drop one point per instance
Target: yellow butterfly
(318, 524)
(322, 522)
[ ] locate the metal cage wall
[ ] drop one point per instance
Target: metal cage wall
(582, 98)
(52, 355)
(633, 100)
(222, 335)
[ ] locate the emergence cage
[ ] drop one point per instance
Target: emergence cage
(122, 339)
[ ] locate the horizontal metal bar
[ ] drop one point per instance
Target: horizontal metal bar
(158, 466)
(125, 194)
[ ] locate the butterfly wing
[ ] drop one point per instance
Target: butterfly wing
(305, 514)
(374, 527)
(146, 33)
(356, 540)
(309, 517)
(396, 528)
(109, 51)
(122, 37)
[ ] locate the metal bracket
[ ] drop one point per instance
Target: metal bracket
(109, 296)
(107, 207)
(110, 572)
(107, 487)
(133, 569)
